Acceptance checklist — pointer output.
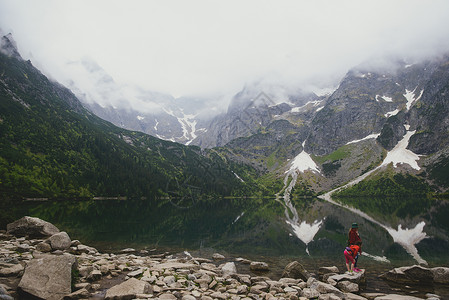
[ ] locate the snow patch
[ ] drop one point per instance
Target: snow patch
(371, 136)
(392, 113)
(188, 125)
(401, 155)
(238, 177)
(155, 126)
(313, 103)
(385, 98)
(170, 112)
(410, 96)
(303, 162)
(140, 118)
(319, 108)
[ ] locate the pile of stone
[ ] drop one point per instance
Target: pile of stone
(43, 262)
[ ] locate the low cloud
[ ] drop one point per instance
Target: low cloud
(212, 49)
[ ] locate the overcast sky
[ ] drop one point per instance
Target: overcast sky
(214, 47)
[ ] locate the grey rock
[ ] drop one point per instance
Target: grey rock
(372, 295)
(128, 250)
(228, 269)
(310, 293)
(4, 294)
(440, 275)
(94, 275)
(327, 270)
(60, 241)
(14, 270)
(258, 266)
(217, 256)
(351, 296)
(167, 296)
(296, 270)
(329, 297)
(43, 247)
(326, 288)
(32, 227)
(348, 287)
(48, 277)
(79, 294)
(168, 280)
(243, 260)
(355, 277)
(128, 289)
(410, 275)
(84, 271)
(135, 273)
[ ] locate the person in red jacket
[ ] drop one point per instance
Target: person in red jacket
(350, 254)
(354, 239)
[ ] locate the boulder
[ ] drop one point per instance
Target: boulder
(310, 293)
(409, 275)
(47, 277)
(229, 269)
(217, 256)
(358, 277)
(258, 266)
(128, 289)
(13, 270)
(4, 294)
(32, 227)
(327, 270)
(295, 270)
(60, 241)
(43, 247)
(440, 275)
(325, 288)
(348, 287)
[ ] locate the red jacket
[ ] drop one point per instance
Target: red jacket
(354, 237)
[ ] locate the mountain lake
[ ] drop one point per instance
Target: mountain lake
(264, 229)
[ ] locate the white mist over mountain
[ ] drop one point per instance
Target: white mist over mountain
(210, 49)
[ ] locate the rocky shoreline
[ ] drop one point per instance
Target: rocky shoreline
(37, 261)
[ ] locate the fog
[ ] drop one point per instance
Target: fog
(211, 49)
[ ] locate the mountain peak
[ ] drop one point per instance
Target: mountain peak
(8, 46)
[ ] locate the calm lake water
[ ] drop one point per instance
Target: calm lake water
(255, 229)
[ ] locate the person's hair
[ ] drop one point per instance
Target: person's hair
(351, 229)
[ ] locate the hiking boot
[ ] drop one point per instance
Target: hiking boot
(357, 270)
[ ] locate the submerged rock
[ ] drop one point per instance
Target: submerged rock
(440, 275)
(410, 275)
(258, 266)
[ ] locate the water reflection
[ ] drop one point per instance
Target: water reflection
(256, 226)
